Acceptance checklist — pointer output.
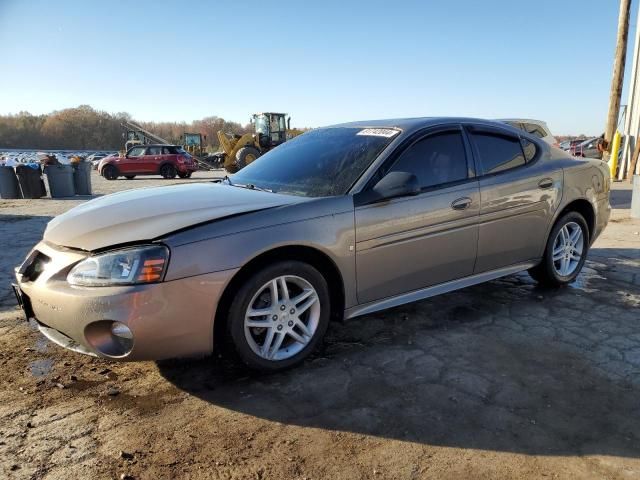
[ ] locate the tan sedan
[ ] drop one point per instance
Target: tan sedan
(338, 222)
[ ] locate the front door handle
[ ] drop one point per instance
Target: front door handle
(461, 203)
(545, 183)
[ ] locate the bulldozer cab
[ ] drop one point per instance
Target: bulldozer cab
(271, 128)
(193, 143)
(192, 140)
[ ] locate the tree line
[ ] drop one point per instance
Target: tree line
(84, 128)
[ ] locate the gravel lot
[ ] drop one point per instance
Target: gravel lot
(501, 380)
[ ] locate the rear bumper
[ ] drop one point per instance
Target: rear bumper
(167, 320)
(182, 168)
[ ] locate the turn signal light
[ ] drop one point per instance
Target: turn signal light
(151, 270)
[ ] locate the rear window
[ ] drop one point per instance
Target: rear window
(498, 152)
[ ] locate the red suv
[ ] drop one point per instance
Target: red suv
(165, 160)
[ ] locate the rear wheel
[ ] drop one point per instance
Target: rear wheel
(168, 171)
(279, 315)
(565, 252)
(110, 172)
(129, 177)
(245, 156)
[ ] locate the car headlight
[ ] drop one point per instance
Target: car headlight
(129, 266)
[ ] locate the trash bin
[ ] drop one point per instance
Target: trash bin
(30, 181)
(60, 178)
(9, 187)
(82, 178)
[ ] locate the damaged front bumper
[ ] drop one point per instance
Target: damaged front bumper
(162, 320)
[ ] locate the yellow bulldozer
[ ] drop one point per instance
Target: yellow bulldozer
(238, 151)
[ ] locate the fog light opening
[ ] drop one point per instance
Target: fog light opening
(110, 338)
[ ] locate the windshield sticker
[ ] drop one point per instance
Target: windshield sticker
(378, 132)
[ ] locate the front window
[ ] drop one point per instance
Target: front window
(320, 163)
(262, 125)
(136, 152)
(438, 159)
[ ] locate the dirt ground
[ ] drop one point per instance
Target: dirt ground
(501, 380)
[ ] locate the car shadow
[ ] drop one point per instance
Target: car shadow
(502, 366)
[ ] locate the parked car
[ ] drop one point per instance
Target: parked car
(587, 148)
(570, 145)
(96, 157)
(338, 222)
(534, 127)
(165, 160)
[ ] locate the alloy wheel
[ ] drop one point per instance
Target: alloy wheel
(568, 247)
(282, 317)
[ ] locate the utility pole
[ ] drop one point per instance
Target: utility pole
(618, 72)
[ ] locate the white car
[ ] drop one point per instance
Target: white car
(534, 127)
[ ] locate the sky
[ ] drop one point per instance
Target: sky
(323, 62)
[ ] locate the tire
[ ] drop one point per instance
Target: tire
(168, 171)
(185, 175)
(565, 268)
(245, 156)
(129, 177)
(110, 172)
(281, 325)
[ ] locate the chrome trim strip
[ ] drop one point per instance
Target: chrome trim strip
(434, 290)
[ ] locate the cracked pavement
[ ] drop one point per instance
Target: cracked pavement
(500, 380)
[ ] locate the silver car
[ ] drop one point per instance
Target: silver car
(339, 222)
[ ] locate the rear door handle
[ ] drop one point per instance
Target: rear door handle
(461, 203)
(545, 183)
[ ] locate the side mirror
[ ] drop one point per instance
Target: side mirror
(288, 123)
(392, 185)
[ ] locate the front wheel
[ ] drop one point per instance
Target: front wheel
(129, 177)
(245, 156)
(565, 252)
(184, 175)
(279, 315)
(110, 172)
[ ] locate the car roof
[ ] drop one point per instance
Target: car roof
(408, 125)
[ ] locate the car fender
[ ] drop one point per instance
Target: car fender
(328, 229)
(584, 179)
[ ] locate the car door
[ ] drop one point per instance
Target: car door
(152, 159)
(131, 164)
(518, 195)
(409, 243)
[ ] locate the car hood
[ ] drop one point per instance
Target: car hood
(148, 213)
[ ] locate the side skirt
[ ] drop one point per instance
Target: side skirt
(434, 290)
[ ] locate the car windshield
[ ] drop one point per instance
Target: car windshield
(320, 163)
